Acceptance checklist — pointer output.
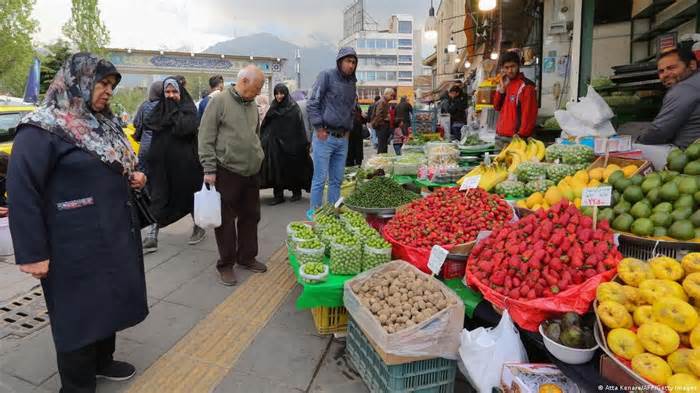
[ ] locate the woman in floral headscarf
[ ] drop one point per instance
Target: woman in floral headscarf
(73, 222)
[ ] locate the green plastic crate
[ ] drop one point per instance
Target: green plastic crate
(424, 376)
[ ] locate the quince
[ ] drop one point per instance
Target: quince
(610, 291)
(614, 315)
(642, 315)
(691, 262)
(596, 173)
(634, 297)
(694, 362)
(666, 268)
(695, 337)
(683, 382)
(654, 289)
(658, 338)
(691, 284)
(652, 368)
(678, 360)
(633, 271)
(624, 343)
(675, 313)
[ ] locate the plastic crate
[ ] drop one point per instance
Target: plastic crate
(435, 375)
(645, 250)
(329, 320)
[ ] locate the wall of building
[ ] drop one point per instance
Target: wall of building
(446, 67)
(611, 47)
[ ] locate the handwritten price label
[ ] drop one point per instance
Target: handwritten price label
(437, 259)
(470, 182)
(597, 196)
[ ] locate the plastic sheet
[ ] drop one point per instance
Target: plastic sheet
(437, 336)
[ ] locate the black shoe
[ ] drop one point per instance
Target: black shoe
(275, 201)
(117, 371)
(254, 266)
(295, 197)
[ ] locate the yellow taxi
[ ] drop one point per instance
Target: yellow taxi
(10, 115)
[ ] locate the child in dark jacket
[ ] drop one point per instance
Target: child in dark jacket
(400, 136)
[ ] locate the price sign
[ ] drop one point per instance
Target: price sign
(470, 182)
(596, 196)
(437, 259)
(339, 202)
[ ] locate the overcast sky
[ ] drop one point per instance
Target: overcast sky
(195, 25)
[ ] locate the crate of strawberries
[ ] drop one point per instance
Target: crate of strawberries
(546, 263)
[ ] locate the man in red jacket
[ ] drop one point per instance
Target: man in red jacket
(515, 99)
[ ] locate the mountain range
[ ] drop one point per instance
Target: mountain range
(313, 59)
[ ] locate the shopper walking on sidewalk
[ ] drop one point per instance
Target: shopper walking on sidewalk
(143, 135)
(382, 122)
(173, 165)
(231, 155)
(330, 109)
(287, 163)
(73, 222)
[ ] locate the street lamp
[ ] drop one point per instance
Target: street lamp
(457, 60)
(452, 46)
(467, 64)
(494, 55)
(487, 5)
(431, 24)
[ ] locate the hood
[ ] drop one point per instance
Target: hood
(345, 52)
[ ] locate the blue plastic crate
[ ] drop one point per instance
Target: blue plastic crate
(424, 376)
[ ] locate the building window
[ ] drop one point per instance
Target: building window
(371, 75)
(361, 43)
(405, 44)
(391, 44)
(405, 59)
(405, 27)
(391, 76)
(405, 74)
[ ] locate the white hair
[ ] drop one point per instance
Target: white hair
(388, 90)
(251, 73)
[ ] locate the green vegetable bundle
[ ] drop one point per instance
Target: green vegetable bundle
(381, 193)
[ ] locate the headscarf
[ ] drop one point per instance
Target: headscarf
(155, 91)
(161, 117)
(280, 108)
(171, 82)
(67, 112)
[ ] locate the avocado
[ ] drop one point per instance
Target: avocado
(606, 214)
(653, 197)
(681, 213)
(650, 183)
(623, 222)
(693, 151)
(677, 162)
(682, 230)
(692, 168)
(660, 231)
(642, 227)
(667, 176)
(622, 207)
(615, 176)
(675, 152)
(637, 180)
(684, 201)
(640, 210)
(661, 219)
(695, 219)
(633, 194)
(677, 180)
(615, 197)
(622, 184)
(664, 207)
(688, 185)
(669, 192)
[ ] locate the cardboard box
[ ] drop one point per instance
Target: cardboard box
(529, 377)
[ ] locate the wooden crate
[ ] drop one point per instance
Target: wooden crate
(644, 166)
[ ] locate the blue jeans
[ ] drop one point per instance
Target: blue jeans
(329, 164)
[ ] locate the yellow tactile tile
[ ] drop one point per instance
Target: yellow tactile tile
(201, 359)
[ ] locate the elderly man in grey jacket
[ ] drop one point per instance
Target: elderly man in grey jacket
(678, 121)
(330, 108)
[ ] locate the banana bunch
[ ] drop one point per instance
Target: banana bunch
(520, 151)
(490, 175)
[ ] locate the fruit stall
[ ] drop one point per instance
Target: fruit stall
(593, 259)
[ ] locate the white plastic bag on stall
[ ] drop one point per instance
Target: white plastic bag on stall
(588, 117)
(483, 352)
(207, 207)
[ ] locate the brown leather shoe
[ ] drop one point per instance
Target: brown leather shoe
(254, 266)
(227, 276)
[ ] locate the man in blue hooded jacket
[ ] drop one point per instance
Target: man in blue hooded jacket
(330, 109)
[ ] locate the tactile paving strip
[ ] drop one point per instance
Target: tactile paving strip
(24, 314)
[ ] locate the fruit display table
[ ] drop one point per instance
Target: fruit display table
(324, 294)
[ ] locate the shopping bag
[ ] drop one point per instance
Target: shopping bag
(483, 352)
(207, 207)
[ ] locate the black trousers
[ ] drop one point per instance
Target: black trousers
(383, 135)
(278, 192)
(78, 368)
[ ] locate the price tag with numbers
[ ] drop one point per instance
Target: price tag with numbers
(470, 182)
(596, 196)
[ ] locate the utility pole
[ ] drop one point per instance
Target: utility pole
(298, 68)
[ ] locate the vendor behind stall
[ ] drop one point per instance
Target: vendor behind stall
(516, 100)
(678, 121)
(456, 107)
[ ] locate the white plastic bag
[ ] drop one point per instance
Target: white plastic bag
(483, 352)
(589, 117)
(207, 207)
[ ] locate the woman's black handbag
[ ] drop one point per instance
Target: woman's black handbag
(142, 201)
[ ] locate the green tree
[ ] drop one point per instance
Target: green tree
(85, 28)
(16, 29)
(59, 52)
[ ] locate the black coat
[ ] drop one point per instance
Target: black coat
(287, 162)
(404, 110)
(356, 141)
(174, 171)
(456, 107)
(72, 209)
